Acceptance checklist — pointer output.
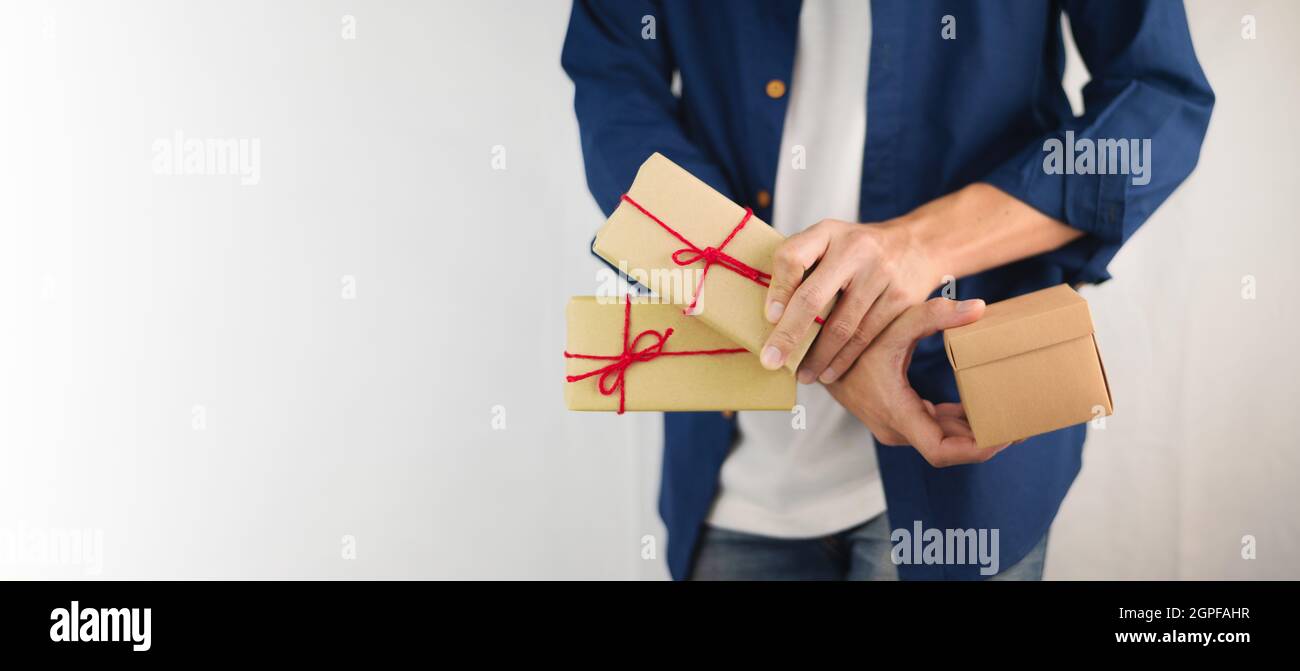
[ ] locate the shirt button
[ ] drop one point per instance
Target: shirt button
(775, 88)
(764, 199)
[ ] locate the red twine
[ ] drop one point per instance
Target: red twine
(710, 255)
(612, 376)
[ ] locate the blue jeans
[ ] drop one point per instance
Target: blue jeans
(860, 553)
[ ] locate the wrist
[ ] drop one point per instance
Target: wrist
(919, 241)
(960, 233)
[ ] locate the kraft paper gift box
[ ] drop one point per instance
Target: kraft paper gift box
(1030, 365)
(641, 355)
(669, 220)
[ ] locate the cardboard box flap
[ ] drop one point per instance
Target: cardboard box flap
(1018, 325)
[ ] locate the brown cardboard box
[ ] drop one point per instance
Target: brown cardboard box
(731, 303)
(674, 376)
(1030, 365)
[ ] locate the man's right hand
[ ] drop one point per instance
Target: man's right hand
(877, 392)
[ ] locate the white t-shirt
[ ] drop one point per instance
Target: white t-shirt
(782, 480)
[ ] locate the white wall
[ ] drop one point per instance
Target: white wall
(133, 297)
(1201, 451)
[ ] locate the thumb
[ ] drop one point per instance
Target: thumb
(789, 263)
(930, 317)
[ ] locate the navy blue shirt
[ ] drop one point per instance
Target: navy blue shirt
(942, 114)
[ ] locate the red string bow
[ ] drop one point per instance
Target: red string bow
(612, 376)
(711, 255)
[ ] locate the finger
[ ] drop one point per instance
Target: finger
(993, 451)
(929, 407)
(952, 418)
(792, 259)
(950, 410)
(921, 430)
(812, 296)
(954, 443)
(930, 317)
(842, 331)
(964, 450)
(954, 427)
(886, 308)
(959, 446)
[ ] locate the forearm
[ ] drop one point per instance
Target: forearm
(977, 228)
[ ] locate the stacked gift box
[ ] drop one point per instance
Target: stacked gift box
(691, 351)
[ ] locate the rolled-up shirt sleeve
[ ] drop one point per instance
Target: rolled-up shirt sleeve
(1146, 86)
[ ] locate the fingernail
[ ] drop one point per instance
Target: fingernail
(774, 310)
(828, 376)
(968, 305)
(771, 358)
(806, 377)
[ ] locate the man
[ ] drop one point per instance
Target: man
(900, 145)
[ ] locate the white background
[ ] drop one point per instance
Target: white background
(130, 298)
